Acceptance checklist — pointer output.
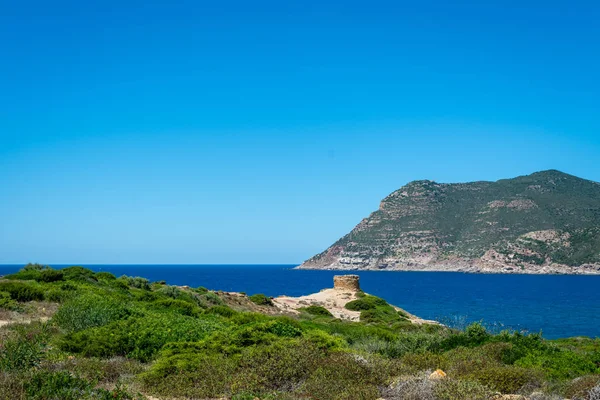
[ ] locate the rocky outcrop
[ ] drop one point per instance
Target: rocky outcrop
(346, 289)
(547, 222)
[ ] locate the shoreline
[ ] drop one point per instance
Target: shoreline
(444, 271)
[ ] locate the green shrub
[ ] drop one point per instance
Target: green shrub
(25, 348)
(45, 385)
(136, 282)
(58, 296)
(147, 296)
(178, 294)
(178, 306)
(7, 303)
(140, 338)
(21, 291)
(425, 361)
(105, 276)
(380, 315)
(79, 274)
(51, 385)
(316, 310)
(506, 379)
(50, 275)
(88, 311)
(405, 343)
(201, 290)
(29, 272)
(190, 375)
(68, 286)
(474, 335)
(224, 311)
(210, 299)
(171, 291)
(280, 366)
(366, 303)
(284, 327)
(261, 300)
(323, 340)
(559, 364)
(34, 267)
(452, 389)
(102, 371)
(343, 377)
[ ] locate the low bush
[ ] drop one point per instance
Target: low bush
(7, 303)
(49, 385)
(506, 379)
(58, 295)
(88, 311)
(57, 385)
(209, 299)
(140, 338)
(24, 348)
(453, 389)
(281, 366)
(380, 315)
(559, 364)
(105, 276)
(102, 371)
(417, 362)
(474, 335)
(190, 375)
(324, 341)
(261, 300)
(366, 303)
(50, 275)
(342, 376)
(224, 311)
(406, 343)
(184, 295)
(318, 311)
(177, 306)
(21, 291)
(136, 282)
(79, 274)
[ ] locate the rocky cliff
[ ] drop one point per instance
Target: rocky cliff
(546, 222)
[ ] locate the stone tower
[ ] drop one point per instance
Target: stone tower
(348, 283)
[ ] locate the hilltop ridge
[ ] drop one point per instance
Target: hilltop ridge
(545, 222)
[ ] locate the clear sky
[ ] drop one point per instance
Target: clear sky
(261, 132)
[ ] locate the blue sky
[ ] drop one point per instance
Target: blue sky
(260, 132)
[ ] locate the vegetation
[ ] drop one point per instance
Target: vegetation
(317, 311)
(127, 338)
(261, 300)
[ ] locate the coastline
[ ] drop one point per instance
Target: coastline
(556, 269)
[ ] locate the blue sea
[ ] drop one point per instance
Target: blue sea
(556, 305)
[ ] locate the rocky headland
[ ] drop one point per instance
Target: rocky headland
(544, 223)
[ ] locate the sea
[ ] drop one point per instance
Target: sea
(558, 306)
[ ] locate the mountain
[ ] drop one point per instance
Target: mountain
(546, 222)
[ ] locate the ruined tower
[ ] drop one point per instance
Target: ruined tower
(347, 283)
